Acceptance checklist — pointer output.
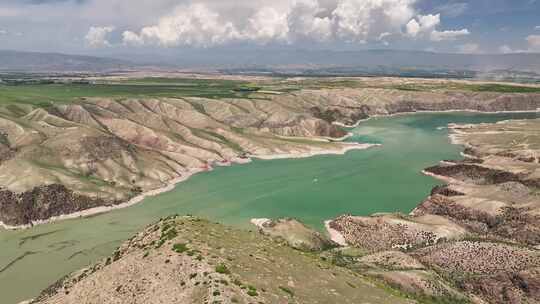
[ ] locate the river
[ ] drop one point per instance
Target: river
(381, 179)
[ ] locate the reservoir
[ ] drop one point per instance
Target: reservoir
(381, 179)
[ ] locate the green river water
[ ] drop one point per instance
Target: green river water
(382, 179)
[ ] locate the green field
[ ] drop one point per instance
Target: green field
(496, 88)
(45, 94)
(32, 91)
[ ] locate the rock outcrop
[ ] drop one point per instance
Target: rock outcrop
(294, 233)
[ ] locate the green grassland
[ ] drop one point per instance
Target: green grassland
(496, 88)
(45, 94)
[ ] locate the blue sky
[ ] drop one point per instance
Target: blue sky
(134, 26)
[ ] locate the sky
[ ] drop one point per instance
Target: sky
(138, 26)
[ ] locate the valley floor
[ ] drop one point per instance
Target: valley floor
(99, 153)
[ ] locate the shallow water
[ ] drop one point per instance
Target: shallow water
(383, 179)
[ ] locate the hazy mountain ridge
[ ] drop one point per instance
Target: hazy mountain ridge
(55, 62)
(311, 62)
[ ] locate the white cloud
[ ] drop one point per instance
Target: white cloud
(448, 35)
(533, 46)
(207, 23)
(268, 24)
(469, 48)
(360, 21)
(413, 28)
(195, 25)
(304, 23)
(537, 27)
(505, 49)
(425, 25)
(130, 38)
(97, 36)
(534, 43)
(3, 32)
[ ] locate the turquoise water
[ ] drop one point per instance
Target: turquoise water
(383, 179)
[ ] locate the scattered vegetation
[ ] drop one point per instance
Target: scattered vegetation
(287, 291)
(454, 86)
(252, 291)
(222, 268)
(180, 248)
(500, 88)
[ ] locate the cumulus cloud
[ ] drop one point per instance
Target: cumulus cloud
(205, 24)
(505, 49)
(97, 36)
(534, 43)
(303, 21)
(195, 25)
(360, 21)
(533, 46)
(425, 26)
(268, 24)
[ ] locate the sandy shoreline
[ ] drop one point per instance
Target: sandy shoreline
(172, 183)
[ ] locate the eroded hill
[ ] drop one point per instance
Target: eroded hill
(189, 260)
(478, 235)
(61, 158)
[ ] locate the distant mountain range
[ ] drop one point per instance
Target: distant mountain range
(15, 61)
(315, 62)
(366, 58)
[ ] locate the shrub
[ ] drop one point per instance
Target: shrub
(287, 290)
(222, 268)
(180, 248)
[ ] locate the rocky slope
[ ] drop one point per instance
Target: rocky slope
(479, 235)
(109, 150)
(188, 260)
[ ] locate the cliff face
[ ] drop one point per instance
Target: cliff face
(485, 224)
(44, 202)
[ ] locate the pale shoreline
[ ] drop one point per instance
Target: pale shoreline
(259, 222)
(335, 235)
(345, 147)
(442, 178)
